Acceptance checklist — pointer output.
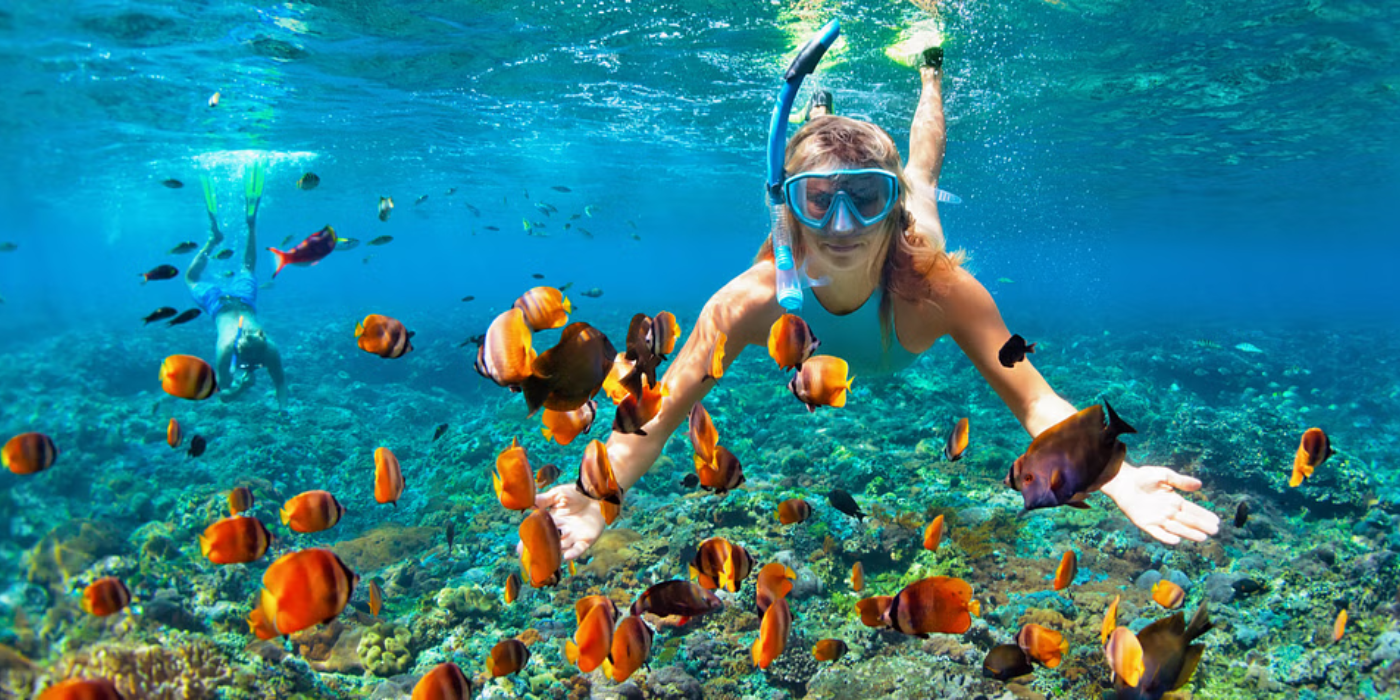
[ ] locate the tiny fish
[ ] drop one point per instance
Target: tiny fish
(8, 247)
(224, 254)
(690, 481)
(183, 248)
(1242, 514)
(635, 237)
(347, 243)
(493, 228)
(469, 298)
(441, 429)
(197, 445)
(308, 181)
(1014, 351)
(475, 212)
(161, 313)
(560, 188)
(632, 223)
(575, 217)
(173, 184)
(450, 191)
(1340, 626)
(585, 232)
(537, 276)
(957, 442)
(386, 207)
(420, 200)
(451, 535)
(381, 240)
(593, 293)
(160, 272)
(186, 317)
(588, 210)
(287, 241)
(376, 598)
(366, 260)
(214, 100)
(546, 475)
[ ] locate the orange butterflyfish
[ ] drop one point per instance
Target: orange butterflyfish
(312, 511)
(507, 657)
(829, 650)
(235, 540)
(1340, 626)
(388, 477)
(1168, 594)
(1110, 620)
(933, 534)
(173, 434)
(723, 475)
(957, 442)
(937, 604)
(546, 475)
(665, 331)
(1042, 644)
(445, 682)
(513, 479)
(635, 412)
(703, 435)
(822, 381)
(29, 453)
(1313, 450)
(631, 645)
(540, 554)
(612, 384)
(857, 577)
(772, 633)
(240, 500)
(506, 355)
(592, 642)
(774, 583)
(1066, 571)
(302, 589)
(105, 596)
(715, 369)
(595, 474)
(563, 426)
(376, 598)
(512, 588)
(83, 689)
(187, 377)
(544, 308)
(793, 511)
(1124, 654)
(719, 563)
(791, 342)
(383, 336)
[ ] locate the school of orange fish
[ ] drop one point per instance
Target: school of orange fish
(312, 586)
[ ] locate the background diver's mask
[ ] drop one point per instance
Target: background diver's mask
(848, 198)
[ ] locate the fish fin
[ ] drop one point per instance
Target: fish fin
(571, 651)
(1057, 479)
(1030, 349)
(975, 607)
(536, 390)
(608, 668)
(282, 260)
(1116, 426)
(204, 545)
(1081, 505)
(1200, 623)
(547, 433)
(286, 517)
(1188, 664)
(839, 399)
(359, 328)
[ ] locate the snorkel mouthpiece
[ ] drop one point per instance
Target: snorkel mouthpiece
(788, 287)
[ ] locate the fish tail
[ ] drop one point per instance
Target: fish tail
(1200, 623)
(571, 651)
(204, 545)
(283, 259)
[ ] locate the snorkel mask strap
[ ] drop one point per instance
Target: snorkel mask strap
(788, 288)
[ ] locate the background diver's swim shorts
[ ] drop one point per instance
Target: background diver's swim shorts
(211, 297)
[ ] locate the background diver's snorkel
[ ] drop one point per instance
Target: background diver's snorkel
(788, 288)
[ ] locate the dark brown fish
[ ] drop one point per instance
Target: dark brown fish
(185, 317)
(537, 276)
(224, 254)
(569, 374)
(842, 501)
(593, 293)
(1168, 656)
(1014, 351)
(308, 181)
(173, 184)
(468, 298)
(1071, 459)
(1242, 514)
(1006, 661)
(676, 598)
(639, 353)
(186, 247)
(439, 432)
(546, 475)
(197, 445)
(507, 657)
(160, 272)
(451, 535)
(163, 312)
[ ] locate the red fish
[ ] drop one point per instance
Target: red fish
(308, 252)
(937, 604)
(234, 540)
(445, 682)
(793, 510)
(933, 534)
(312, 511)
(1066, 571)
(187, 377)
(173, 434)
(302, 589)
(772, 633)
(388, 477)
(631, 645)
(29, 453)
(106, 596)
(82, 689)
(1314, 449)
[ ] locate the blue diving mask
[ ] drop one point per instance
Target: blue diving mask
(863, 196)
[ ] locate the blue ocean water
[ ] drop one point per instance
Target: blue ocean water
(1167, 173)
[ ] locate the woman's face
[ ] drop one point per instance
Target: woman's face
(843, 243)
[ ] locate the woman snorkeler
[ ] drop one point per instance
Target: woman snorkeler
(870, 227)
(242, 345)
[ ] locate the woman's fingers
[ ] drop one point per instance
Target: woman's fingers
(1180, 529)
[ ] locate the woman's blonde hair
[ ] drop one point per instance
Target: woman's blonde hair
(833, 142)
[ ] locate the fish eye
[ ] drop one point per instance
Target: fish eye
(1029, 478)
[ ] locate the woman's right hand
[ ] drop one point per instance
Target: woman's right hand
(579, 518)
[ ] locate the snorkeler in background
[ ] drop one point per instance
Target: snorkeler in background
(242, 345)
(867, 234)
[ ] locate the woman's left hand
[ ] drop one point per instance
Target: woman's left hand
(1148, 496)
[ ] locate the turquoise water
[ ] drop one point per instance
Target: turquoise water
(1192, 206)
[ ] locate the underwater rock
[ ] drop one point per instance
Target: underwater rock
(1220, 586)
(894, 678)
(69, 549)
(384, 545)
(385, 649)
(612, 553)
(1387, 647)
(344, 657)
(1148, 579)
(466, 601)
(622, 691)
(390, 689)
(673, 683)
(167, 607)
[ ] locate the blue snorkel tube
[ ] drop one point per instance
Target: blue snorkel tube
(788, 288)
